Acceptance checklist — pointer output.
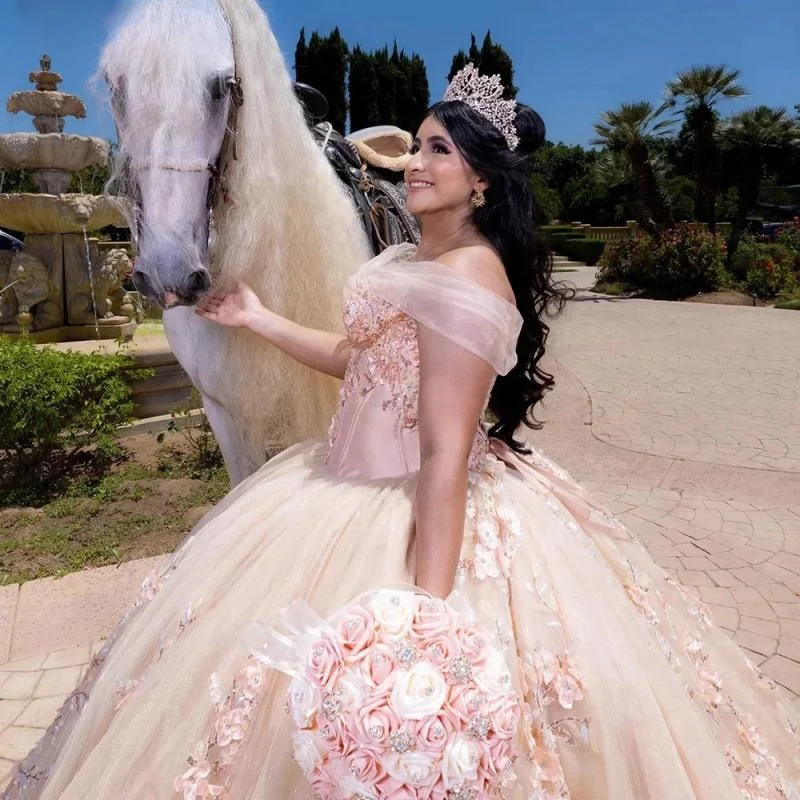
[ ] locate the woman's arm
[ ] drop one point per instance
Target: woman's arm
(454, 384)
(323, 351)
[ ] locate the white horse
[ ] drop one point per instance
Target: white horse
(279, 219)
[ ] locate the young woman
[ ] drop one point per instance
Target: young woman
(629, 692)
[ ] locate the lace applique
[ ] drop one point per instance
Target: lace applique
(493, 529)
(385, 353)
(761, 779)
(550, 680)
(210, 761)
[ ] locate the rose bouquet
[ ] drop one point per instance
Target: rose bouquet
(397, 695)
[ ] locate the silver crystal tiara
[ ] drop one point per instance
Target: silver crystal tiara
(485, 94)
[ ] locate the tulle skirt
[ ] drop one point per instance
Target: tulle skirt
(629, 690)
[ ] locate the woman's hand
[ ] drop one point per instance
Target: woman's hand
(235, 309)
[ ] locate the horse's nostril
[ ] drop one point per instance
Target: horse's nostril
(199, 282)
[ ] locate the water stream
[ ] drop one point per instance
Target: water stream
(91, 280)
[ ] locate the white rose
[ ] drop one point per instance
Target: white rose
(418, 692)
(493, 678)
(459, 761)
(411, 767)
(306, 751)
(393, 611)
(351, 686)
(304, 702)
(352, 787)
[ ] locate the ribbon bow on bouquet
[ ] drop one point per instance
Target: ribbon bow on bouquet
(396, 695)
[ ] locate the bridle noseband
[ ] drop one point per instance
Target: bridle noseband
(217, 188)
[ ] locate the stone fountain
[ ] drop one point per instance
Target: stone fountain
(63, 285)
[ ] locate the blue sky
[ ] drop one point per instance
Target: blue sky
(573, 59)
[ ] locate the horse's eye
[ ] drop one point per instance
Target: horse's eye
(217, 89)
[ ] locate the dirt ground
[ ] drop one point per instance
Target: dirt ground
(728, 297)
(144, 506)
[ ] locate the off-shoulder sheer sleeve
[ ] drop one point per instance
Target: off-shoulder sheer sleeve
(465, 312)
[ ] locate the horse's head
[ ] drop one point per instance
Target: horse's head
(170, 68)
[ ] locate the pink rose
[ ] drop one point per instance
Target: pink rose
(323, 783)
(464, 702)
(364, 765)
(433, 618)
(432, 733)
(436, 792)
(393, 789)
(372, 724)
(441, 650)
(505, 717)
(377, 667)
(496, 754)
(324, 662)
(355, 629)
(474, 645)
(334, 735)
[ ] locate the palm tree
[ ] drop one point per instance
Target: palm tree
(699, 89)
(624, 132)
(758, 139)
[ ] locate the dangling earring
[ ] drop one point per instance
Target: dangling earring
(478, 199)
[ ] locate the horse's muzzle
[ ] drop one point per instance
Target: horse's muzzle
(187, 293)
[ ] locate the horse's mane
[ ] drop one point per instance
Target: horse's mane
(288, 230)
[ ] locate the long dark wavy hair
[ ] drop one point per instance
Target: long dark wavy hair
(508, 221)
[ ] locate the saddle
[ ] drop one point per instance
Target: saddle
(367, 163)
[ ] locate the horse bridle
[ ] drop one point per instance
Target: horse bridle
(217, 188)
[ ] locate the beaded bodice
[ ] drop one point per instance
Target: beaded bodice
(373, 433)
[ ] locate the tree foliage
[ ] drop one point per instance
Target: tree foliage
(322, 63)
(490, 59)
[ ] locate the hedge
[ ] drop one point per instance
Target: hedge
(586, 250)
(54, 403)
(557, 240)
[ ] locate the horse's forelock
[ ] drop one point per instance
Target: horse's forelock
(160, 59)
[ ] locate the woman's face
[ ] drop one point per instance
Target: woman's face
(437, 176)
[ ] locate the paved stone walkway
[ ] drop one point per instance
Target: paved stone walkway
(683, 419)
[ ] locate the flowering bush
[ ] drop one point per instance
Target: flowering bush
(765, 269)
(768, 277)
(679, 263)
(400, 696)
(789, 237)
(626, 261)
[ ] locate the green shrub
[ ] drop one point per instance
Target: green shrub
(54, 404)
(627, 261)
(768, 276)
(548, 230)
(789, 237)
(750, 252)
(680, 263)
(586, 250)
(558, 240)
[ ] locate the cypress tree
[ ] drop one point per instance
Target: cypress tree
(301, 58)
(490, 59)
(322, 63)
(364, 90)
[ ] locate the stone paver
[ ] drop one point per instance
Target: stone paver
(680, 418)
(711, 383)
(716, 505)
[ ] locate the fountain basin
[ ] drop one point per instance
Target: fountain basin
(52, 151)
(48, 104)
(66, 213)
